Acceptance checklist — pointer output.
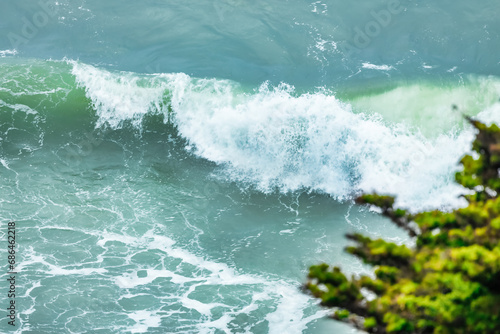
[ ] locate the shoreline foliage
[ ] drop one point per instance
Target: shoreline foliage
(449, 282)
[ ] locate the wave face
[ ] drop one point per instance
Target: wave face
(273, 138)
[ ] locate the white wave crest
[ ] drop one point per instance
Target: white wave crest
(274, 139)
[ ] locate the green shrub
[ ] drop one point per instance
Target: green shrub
(449, 282)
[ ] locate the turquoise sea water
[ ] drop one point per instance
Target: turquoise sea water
(176, 166)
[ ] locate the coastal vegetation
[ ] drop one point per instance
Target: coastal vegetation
(448, 281)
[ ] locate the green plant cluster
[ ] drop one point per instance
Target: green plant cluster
(449, 282)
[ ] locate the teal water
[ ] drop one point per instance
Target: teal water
(176, 166)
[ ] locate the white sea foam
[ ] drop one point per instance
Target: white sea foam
(144, 320)
(131, 280)
(288, 317)
(273, 138)
(51, 269)
(119, 96)
(18, 107)
(377, 67)
(219, 273)
(5, 53)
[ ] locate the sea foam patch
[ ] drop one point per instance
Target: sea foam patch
(288, 309)
(5, 53)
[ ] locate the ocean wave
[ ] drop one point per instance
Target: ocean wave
(273, 138)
